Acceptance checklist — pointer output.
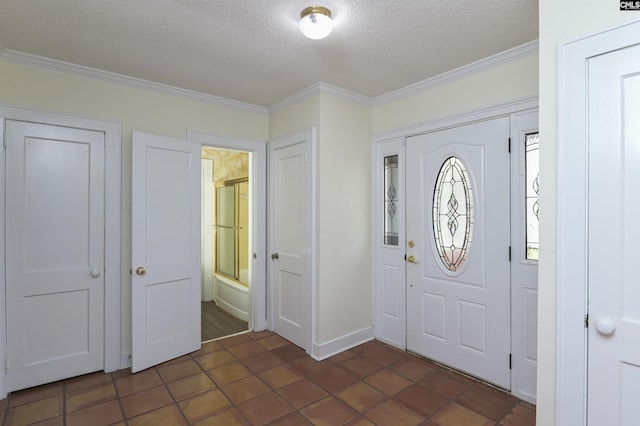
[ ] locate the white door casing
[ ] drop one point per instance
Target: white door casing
(573, 245)
(207, 230)
(165, 231)
(290, 189)
(55, 252)
(257, 215)
(461, 318)
(613, 235)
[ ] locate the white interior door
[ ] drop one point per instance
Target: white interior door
(54, 253)
(614, 232)
(290, 204)
(458, 295)
(165, 249)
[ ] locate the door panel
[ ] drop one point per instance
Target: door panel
(458, 300)
(55, 253)
(524, 242)
(614, 293)
(165, 249)
(290, 224)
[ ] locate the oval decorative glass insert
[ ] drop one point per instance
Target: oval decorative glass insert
(453, 213)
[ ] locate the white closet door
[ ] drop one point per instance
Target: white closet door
(55, 253)
(614, 232)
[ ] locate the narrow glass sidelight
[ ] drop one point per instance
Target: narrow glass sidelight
(453, 213)
(391, 220)
(532, 145)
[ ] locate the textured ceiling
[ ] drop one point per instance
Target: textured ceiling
(252, 50)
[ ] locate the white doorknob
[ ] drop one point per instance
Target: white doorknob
(95, 273)
(605, 326)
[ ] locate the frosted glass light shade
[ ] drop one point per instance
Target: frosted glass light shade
(315, 22)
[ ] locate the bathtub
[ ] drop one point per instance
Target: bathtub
(231, 297)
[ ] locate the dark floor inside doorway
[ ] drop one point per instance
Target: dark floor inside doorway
(218, 323)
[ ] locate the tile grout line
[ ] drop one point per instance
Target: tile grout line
(115, 389)
(64, 402)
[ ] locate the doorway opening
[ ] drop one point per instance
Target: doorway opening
(226, 243)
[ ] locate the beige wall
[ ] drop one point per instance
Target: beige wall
(345, 286)
(134, 109)
(503, 83)
(560, 21)
(295, 117)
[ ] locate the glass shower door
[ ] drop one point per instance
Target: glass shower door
(226, 249)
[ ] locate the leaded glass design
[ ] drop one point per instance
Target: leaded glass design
(532, 156)
(453, 213)
(391, 220)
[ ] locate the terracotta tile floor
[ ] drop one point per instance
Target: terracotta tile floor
(260, 379)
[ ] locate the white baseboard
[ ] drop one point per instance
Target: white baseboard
(125, 361)
(321, 351)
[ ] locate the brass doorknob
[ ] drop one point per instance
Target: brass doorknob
(140, 271)
(274, 256)
(411, 259)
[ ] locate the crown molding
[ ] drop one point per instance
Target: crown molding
(318, 88)
(314, 89)
(94, 73)
(458, 73)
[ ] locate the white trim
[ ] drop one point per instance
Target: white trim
(111, 77)
(459, 119)
(316, 89)
(3, 292)
(332, 347)
(572, 199)
(112, 223)
(311, 298)
(459, 73)
(257, 181)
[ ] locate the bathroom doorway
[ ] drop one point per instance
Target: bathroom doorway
(226, 243)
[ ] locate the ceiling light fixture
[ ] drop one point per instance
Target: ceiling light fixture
(315, 22)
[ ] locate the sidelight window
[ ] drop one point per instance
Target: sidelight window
(391, 219)
(532, 144)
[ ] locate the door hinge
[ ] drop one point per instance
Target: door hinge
(586, 321)
(509, 147)
(509, 253)
(509, 361)
(6, 365)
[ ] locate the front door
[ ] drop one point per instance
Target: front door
(613, 235)
(290, 219)
(458, 236)
(165, 293)
(54, 252)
